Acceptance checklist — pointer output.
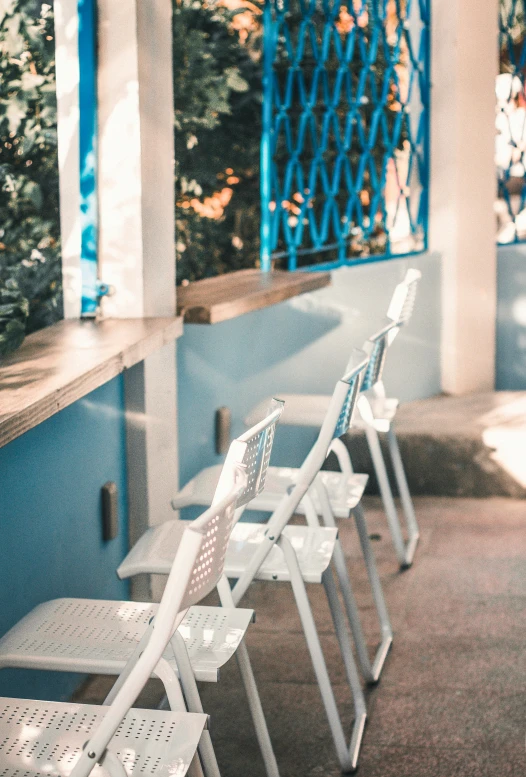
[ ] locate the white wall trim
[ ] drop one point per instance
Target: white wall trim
(68, 114)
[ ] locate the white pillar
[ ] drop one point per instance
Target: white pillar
(137, 233)
(136, 157)
(463, 187)
(68, 113)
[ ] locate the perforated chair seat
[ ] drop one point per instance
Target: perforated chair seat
(311, 409)
(384, 411)
(344, 491)
(45, 739)
(155, 551)
(314, 548)
(98, 637)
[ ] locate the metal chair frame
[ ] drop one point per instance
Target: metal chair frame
(336, 422)
(247, 458)
(184, 585)
(399, 313)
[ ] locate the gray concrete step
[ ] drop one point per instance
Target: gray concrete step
(469, 446)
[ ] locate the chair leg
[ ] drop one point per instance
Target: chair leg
(386, 494)
(340, 627)
(195, 769)
(251, 690)
(371, 672)
(405, 496)
(347, 755)
(256, 711)
(193, 704)
(378, 595)
(112, 765)
(352, 611)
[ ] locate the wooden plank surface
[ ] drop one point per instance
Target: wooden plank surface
(228, 296)
(58, 365)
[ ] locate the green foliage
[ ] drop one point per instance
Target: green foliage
(217, 115)
(30, 268)
(13, 314)
(217, 99)
(217, 96)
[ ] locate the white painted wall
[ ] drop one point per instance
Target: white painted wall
(302, 345)
(462, 221)
(137, 229)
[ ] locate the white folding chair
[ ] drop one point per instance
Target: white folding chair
(297, 554)
(332, 494)
(39, 738)
(92, 636)
(376, 415)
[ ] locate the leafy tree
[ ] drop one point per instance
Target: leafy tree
(217, 128)
(13, 314)
(217, 99)
(30, 270)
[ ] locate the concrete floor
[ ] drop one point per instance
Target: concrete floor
(452, 699)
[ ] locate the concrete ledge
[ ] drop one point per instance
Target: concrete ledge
(473, 445)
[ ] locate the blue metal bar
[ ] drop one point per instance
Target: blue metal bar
(87, 13)
(266, 152)
(344, 152)
(353, 261)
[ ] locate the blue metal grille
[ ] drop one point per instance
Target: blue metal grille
(344, 169)
(510, 148)
(87, 43)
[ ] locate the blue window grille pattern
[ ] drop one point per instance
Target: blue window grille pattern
(510, 145)
(344, 153)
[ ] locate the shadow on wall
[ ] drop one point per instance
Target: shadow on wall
(262, 339)
(511, 318)
(302, 345)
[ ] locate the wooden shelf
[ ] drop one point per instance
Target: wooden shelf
(229, 296)
(60, 364)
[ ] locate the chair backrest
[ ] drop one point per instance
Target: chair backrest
(336, 422)
(196, 570)
(249, 454)
(253, 450)
(216, 526)
(402, 302)
(376, 349)
(352, 381)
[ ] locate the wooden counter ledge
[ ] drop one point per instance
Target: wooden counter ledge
(62, 363)
(227, 296)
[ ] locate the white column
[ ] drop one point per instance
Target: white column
(137, 227)
(136, 180)
(67, 84)
(463, 187)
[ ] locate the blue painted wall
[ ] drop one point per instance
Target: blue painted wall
(302, 345)
(50, 478)
(511, 318)
(50, 518)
